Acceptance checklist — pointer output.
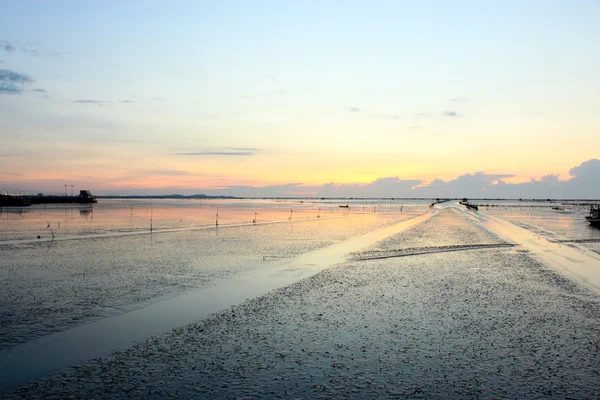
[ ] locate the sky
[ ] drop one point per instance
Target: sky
(312, 98)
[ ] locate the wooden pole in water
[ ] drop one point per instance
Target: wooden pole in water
(51, 231)
(217, 220)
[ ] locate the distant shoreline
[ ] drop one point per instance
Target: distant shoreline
(168, 196)
(207, 197)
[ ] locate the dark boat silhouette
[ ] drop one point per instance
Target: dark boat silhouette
(85, 197)
(594, 217)
(13, 201)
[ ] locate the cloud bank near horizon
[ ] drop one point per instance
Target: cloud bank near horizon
(583, 184)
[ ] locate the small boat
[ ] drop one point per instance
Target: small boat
(594, 217)
(346, 206)
(465, 203)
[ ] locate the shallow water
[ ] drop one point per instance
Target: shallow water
(484, 323)
(114, 216)
(105, 261)
(84, 342)
(567, 224)
(106, 265)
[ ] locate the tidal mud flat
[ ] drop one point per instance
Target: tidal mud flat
(423, 314)
(53, 286)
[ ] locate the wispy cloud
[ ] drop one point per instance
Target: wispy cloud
(89, 101)
(352, 109)
(385, 116)
(242, 148)
(451, 114)
(222, 151)
(102, 102)
(458, 100)
(13, 82)
(165, 172)
(218, 153)
(7, 46)
(39, 90)
(29, 47)
(23, 47)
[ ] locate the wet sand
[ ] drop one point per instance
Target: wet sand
(423, 314)
(59, 350)
(50, 287)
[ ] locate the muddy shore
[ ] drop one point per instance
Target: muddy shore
(487, 322)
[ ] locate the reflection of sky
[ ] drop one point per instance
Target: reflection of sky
(197, 95)
(560, 225)
(115, 217)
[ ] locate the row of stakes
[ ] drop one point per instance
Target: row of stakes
(289, 218)
(151, 221)
(256, 215)
(216, 220)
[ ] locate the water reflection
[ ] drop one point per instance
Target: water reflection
(111, 216)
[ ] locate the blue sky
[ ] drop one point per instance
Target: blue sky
(200, 96)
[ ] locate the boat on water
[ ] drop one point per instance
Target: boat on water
(594, 217)
(465, 202)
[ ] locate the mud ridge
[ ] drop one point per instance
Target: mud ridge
(429, 250)
(576, 241)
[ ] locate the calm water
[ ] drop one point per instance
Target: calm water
(562, 222)
(104, 260)
(138, 216)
